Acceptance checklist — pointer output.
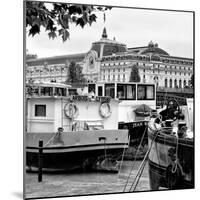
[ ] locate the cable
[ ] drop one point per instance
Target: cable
(135, 159)
(141, 168)
(123, 155)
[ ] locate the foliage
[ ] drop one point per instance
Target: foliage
(134, 76)
(75, 74)
(56, 17)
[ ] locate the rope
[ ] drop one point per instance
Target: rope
(174, 168)
(139, 172)
(51, 139)
(123, 156)
(135, 159)
(142, 165)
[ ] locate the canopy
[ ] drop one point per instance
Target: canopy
(143, 110)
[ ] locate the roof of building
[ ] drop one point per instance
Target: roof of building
(109, 46)
(56, 59)
(178, 57)
(152, 48)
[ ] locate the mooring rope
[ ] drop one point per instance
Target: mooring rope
(135, 159)
(123, 156)
(142, 165)
(51, 139)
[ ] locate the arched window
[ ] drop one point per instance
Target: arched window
(123, 77)
(118, 77)
(175, 83)
(184, 83)
(180, 84)
(170, 83)
(166, 83)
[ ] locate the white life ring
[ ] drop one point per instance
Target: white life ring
(71, 110)
(105, 110)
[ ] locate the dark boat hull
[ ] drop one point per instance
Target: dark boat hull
(65, 160)
(162, 169)
(136, 131)
(68, 151)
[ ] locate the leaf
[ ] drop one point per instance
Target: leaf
(80, 22)
(52, 35)
(34, 30)
(60, 32)
(28, 21)
(72, 10)
(92, 18)
(74, 19)
(36, 22)
(43, 20)
(85, 18)
(65, 35)
(50, 24)
(43, 23)
(79, 9)
(65, 21)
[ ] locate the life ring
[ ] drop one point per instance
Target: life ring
(173, 179)
(105, 110)
(71, 110)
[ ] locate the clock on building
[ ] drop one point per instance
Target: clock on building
(91, 62)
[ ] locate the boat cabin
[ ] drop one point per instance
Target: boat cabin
(131, 96)
(49, 106)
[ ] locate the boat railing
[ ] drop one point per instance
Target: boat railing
(46, 90)
(85, 124)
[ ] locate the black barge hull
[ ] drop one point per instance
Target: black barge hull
(68, 151)
(164, 169)
(61, 159)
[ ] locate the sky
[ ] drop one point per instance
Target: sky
(173, 31)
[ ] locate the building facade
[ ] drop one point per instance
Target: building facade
(109, 60)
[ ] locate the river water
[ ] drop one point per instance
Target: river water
(73, 184)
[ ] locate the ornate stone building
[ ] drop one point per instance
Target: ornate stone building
(109, 60)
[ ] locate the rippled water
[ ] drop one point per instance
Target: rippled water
(85, 183)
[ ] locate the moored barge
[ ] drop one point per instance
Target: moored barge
(171, 157)
(74, 133)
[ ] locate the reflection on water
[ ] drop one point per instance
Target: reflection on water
(84, 183)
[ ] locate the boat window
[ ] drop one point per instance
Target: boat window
(35, 90)
(145, 92)
(131, 92)
(59, 91)
(121, 91)
(100, 92)
(40, 110)
(141, 92)
(91, 88)
(110, 90)
(150, 92)
(125, 91)
(42, 91)
(47, 91)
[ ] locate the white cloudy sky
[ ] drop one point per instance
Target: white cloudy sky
(173, 31)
